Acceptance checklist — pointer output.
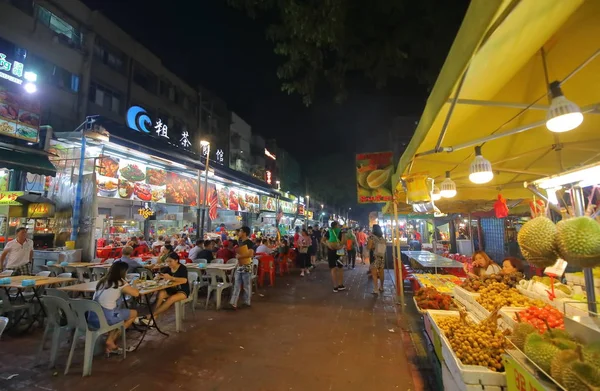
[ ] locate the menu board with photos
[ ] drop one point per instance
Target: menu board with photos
(131, 180)
(19, 115)
(268, 203)
(233, 198)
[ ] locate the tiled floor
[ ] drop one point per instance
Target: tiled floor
(298, 335)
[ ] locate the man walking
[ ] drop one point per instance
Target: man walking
(18, 254)
(334, 242)
(361, 236)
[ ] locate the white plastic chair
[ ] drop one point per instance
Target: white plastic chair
(219, 261)
(7, 273)
(44, 273)
(192, 298)
(232, 261)
(3, 323)
(81, 308)
(254, 278)
(55, 269)
(200, 260)
(60, 320)
(65, 275)
(216, 285)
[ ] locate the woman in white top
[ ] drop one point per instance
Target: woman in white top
(483, 265)
(109, 291)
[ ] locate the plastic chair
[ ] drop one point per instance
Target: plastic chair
(60, 319)
(266, 266)
(200, 260)
(192, 298)
(231, 261)
(284, 265)
(7, 273)
(45, 273)
(57, 293)
(143, 272)
(3, 323)
(55, 269)
(254, 278)
(216, 285)
(98, 273)
(218, 260)
(45, 268)
(81, 308)
(8, 307)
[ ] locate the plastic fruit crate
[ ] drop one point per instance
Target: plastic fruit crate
(468, 375)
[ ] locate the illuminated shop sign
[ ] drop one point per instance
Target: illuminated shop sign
(269, 154)
(219, 155)
(11, 71)
(268, 178)
(139, 120)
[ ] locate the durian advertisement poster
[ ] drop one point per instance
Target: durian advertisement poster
(374, 177)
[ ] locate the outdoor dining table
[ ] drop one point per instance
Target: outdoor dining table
(146, 292)
(40, 283)
(431, 260)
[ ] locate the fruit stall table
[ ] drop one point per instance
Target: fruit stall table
(428, 260)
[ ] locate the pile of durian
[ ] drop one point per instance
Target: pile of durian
(576, 240)
(574, 365)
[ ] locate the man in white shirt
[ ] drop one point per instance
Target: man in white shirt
(18, 254)
(193, 254)
(262, 248)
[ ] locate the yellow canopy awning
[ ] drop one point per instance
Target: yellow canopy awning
(499, 52)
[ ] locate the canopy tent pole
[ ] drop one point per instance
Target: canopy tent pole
(579, 210)
(451, 110)
(397, 269)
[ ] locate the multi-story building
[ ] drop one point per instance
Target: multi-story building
(239, 144)
(257, 151)
(87, 65)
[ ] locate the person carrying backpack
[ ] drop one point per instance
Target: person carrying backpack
(351, 247)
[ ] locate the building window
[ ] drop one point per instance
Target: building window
(164, 87)
(110, 57)
(53, 74)
(144, 78)
(66, 33)
(105, 97)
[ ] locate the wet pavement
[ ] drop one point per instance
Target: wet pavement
(298, 335)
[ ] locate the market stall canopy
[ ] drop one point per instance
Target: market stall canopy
(35, 162)
(495, 81)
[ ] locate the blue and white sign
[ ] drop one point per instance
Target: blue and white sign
(138, 119)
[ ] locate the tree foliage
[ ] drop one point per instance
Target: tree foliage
(329, 40)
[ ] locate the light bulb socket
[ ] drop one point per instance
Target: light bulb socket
(555, 90)
(448, 174)
(478, 150)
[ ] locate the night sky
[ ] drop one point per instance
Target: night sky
(207, 42)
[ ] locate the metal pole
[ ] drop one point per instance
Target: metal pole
(205, 191)
(398, 273)
(79, 189)
(198, 203)
(579, 210)
(471, 235)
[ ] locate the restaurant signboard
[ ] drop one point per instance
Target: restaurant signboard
(374, 177)
(268, 203)
(138, 119)
(10, 197)
(19, 115)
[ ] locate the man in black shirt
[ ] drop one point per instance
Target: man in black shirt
(207, 253)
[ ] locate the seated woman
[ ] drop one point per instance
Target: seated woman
(511, 265)
(164, 253)
(483, 265)
(109, 291)
(177, 273)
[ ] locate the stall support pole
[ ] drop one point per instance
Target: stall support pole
(471, 235)
(198, 203)
(205, 191)
(79, 189)
(397, 270)
(579, 209)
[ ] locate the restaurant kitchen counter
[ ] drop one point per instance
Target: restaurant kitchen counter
(58, 255)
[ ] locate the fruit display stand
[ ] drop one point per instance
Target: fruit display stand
(521, 374)
(464, 377)
(464, 297)
(444, 283)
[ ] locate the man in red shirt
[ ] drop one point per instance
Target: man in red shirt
(226, 252)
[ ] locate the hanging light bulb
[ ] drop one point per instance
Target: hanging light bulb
(563, 115)
(436, 195)
(481, 169)
(448, 187)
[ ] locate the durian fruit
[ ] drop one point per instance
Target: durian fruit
(537, 239)
(560, 361)
(540, 351)
(591, 354)
(578, 241)
(580, 376)
(520, 333)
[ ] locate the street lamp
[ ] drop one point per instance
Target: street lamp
(205, 144)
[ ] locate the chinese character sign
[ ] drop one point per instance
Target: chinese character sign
(161, 129)
(185, 141)
(373, 177)
(219, 156)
